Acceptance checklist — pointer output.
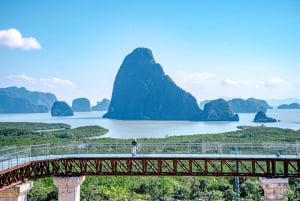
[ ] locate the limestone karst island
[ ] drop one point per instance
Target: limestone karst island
(142, 91)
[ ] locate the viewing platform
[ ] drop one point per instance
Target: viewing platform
(75, 161)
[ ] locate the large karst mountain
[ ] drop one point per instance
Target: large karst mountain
(142, 91)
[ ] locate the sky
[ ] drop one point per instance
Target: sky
(210, 48)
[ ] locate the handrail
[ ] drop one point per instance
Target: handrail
(12, 156)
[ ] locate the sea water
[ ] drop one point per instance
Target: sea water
(158, 129)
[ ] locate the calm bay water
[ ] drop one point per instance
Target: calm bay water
(156, 129)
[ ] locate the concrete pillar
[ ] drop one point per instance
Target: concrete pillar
(68, 188)
(16, 193)
(274, 189)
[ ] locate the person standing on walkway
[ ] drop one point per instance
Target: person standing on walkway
(134, 147)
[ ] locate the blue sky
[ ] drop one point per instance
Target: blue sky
(211, 48)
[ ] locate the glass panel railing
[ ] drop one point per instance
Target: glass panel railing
(13, 155)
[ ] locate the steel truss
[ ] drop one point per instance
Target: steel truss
(152, 166)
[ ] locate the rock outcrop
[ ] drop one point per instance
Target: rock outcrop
(21, 100)
(250, 105)
(261, 117)
(289, 106)
(218, 110)
(61, 108)
(11, 104)
(260, 102)
(81, 105)
(101, 105)
(142, 91)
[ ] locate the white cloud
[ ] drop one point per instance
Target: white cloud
(192, 78)
(206, 85)
(274, 82)
(19, 79)
(63, 89)
(229, 82)
(12, 38)
(40, 83)
(55, 81)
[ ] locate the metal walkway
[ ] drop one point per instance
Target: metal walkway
(242, 160)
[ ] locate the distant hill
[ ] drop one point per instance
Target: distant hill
(11, 104)
(276, 102)
(21, 100)
(101, 105)
(219, 110)
(250, 105)
(142, 91)
(260, 102)
(202, 103)
(289, 106)
(81, 105)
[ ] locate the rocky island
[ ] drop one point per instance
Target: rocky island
(101, 105)
(20, 100)
(261, 117)
(142, 91)
(250, 105)
(61, 108)
(81, 105)
(218, 110)
(289, 106)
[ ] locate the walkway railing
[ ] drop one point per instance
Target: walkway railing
(12, 156)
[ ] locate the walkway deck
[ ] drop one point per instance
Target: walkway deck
(80, 160)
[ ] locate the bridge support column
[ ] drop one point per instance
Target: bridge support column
(16, 193)
(274, 189)
(68, 188)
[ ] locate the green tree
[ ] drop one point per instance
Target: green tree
(216, 195)
(180, 193)
(198, 188)
(228, 194)
(250, 189)
(293, 193)
(43, 190)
